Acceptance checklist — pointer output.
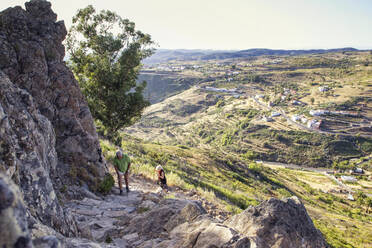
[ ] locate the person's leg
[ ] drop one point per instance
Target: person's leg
(126, 181)
(120, 181)
(165, 184)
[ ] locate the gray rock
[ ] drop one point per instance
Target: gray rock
(204, 232)
(48, 139)
(164, 217)
(13, 222)
(191, 211)
(278, 223)
(81, 243)
(120, 243)
(46, 242)
(28, 145)
(32, 52)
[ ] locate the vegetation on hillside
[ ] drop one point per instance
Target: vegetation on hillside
(236, 183)
(212, 138)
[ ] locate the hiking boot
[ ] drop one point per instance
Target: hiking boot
(127, 189)
(121, 192)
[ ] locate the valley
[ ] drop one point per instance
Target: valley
(222, 133)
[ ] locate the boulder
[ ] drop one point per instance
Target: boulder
(164, 217)
(204, 232)
(278, 223)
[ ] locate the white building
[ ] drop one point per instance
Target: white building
(323, 88)
(318, 112)
(350, 197)
(348, 179)
(315, 124)
(295, 118)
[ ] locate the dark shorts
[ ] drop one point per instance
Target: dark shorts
(162, 182)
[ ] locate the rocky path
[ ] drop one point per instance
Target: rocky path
(145, 219)
(118, 220)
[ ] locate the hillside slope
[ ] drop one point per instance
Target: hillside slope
(217, 137)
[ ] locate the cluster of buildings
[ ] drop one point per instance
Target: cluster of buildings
(321, 112)
(313, 124)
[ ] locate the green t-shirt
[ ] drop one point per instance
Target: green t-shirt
(122, 164)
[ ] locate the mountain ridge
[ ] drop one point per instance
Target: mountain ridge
(163, 55)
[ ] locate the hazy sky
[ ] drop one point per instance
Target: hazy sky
(239, 24)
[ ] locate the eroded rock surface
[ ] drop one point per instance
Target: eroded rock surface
(13, 222)
(48, 138)
(28, 155)
(278, 223)
(31, 55)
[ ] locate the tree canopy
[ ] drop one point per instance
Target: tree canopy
(105, 56)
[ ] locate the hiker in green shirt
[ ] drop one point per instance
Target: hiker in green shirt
(122, 165)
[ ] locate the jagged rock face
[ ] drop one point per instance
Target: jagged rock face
(13, 223)
(27, 149)
(31, 54)
(278, 223)
(47, 135)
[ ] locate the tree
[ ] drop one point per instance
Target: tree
(106, 53)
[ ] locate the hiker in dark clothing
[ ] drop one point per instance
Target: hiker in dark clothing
(162, 180)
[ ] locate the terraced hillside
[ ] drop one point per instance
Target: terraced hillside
(312, 110)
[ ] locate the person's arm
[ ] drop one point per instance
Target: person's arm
(128, 167)
(115, 167)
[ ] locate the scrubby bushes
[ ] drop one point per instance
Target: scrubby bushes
(106, 185)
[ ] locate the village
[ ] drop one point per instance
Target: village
(241, 78)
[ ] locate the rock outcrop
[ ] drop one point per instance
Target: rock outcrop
(47, 134)
(28, 155)
(278, 223)
(31, 55)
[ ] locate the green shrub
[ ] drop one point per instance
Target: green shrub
(141, 210)
(107, 183)
(255, 167)
(250, 155)
(220, 103)
(108, 240)
(284, 192)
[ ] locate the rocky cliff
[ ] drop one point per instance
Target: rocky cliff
(31, 55)
(48, 138)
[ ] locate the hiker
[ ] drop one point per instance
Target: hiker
(122, 165)
(162, 180)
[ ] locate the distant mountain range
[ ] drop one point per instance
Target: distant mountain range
(163, 55)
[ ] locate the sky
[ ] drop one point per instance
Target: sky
(238, 24)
